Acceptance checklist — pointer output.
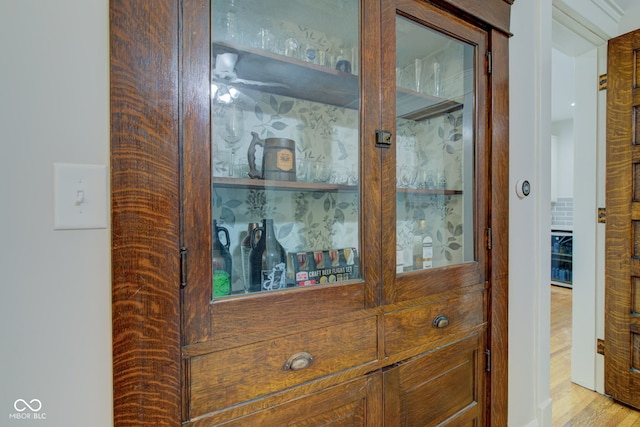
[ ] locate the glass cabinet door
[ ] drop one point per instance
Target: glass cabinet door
(441, 183)
(434, 134)
(285, 100)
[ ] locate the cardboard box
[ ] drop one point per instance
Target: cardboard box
(322, 267)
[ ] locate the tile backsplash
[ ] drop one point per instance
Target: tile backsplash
(562, 214)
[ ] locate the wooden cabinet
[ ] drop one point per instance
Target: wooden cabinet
(387, 124)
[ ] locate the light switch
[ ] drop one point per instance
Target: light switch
(79, 196)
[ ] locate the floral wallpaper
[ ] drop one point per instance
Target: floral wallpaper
(317, 220)
(435, 148)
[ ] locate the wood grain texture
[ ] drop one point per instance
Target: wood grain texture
(145, 206)
(372, 240)
(499, 224)
(443, 387)
(412, 327)
(496, 14)
(245, 373)
(620, 382)
(574, 405)
(340, 406)
(196, 169)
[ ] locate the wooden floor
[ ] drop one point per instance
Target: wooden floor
(574, 405)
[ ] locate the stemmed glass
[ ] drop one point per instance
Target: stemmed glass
(232, 130)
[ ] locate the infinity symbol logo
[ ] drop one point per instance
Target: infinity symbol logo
(21, 405)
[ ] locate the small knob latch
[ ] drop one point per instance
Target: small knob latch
(441, 321)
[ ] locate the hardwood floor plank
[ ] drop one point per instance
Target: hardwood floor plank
(574, 405)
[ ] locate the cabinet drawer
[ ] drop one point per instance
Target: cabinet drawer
(415, 326)
(221, 379)
(350, 404)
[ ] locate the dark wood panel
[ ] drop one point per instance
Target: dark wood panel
(496, 13)
(196, 170)
(414, 326)
(499, 223)
(443, 387)
(371, 242)
(266, 312)
(245, 373)
(621, 383)
(145, 207)
(350, 404)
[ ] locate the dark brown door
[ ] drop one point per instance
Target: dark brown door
(622, 295)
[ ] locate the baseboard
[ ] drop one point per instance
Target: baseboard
(544, 413)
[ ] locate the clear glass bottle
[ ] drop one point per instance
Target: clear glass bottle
(221, 262)
(268, 260)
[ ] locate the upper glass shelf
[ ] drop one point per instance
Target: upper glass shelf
(261, 184)
(282, 75)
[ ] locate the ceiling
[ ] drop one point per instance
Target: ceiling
(625, 4)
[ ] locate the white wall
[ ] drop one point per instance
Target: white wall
(631, 20)
(585, 220)
(529, 218)
(55, 322)
(563, 130)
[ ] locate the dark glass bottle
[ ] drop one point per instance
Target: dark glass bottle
(245, 249)
(221, 262)
(268, 260)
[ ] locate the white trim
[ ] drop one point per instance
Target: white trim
(611, 8)
(568, 18)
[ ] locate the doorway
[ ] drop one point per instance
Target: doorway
(578, 183)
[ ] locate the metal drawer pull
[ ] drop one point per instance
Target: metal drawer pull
(441, 321)
(298, 361)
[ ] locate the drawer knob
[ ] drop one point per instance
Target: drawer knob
(298, 361)
(441, 321)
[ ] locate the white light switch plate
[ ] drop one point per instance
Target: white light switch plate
(79, 196)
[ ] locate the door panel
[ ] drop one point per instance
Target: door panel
(443, 387)
(439, 190)
(349, 404)
(622, 310)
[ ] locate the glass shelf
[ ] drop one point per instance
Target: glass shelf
(261, 184)
(282, 75)
(433, 192)
(416, 106)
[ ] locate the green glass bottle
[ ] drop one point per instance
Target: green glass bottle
(221, 262)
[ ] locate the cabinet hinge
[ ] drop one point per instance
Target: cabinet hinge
(602, 215)
(489, 62)
(489, 238)
(183, 267)
(600, 346)
(487, 354)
